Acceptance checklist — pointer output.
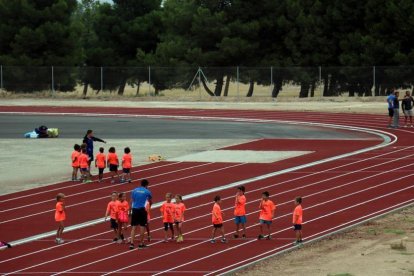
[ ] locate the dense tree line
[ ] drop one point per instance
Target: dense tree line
(295, 37)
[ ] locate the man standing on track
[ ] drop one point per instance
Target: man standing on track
(390, 101)
(407, 107)
(139, 197)
(88, 140)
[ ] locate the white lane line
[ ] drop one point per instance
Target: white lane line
(250, 202)
(109, 187)
(348, 225)
(80, 184)
(232, 196)
(248, 242)
(254, 225)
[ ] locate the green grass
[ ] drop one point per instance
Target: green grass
(394, 231)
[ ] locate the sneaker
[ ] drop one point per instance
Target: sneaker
(119, 241)
(129, 180)
(121, 180)
(244, 236)
(122, 237)
(115, 240)
(142, 246)
(149, 238)
(131, 246)
(268, 237)
(212, 241)
(60, 241)
(112, 181)
(57, 240)
(224, 240)
(297, 243)
(87, 181)
(260, 237)
(235, 236)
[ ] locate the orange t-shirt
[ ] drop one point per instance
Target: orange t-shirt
(266, 209)
(179, 212)
(60, 214)
(112, 209)
(167, 211)
(240, 206)
(298, 215)
(75, 158)
(217, 216)
(100, 160)
(127, 161)
(148, 209)
(83, 161)
(112, 158)
(123, 206)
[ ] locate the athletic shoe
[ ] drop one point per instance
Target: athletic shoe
(244, 236)
(119, 241)
(129, 180)
(212, 241)
(142, 246)
(260, 237)
(268, 237)
(115, 240)
(223, 240)
(235, 236)
(131, 246)
(297, 243)
(57, 240)
(121, 180)
(61, 241)
(149, 238)
(112, 181)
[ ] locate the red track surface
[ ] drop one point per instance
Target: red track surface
(336, 194)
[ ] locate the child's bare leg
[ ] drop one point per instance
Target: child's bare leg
(268, 229)
(261, 228)
(244, 229)
(237, 229)
(148, 231)
(213, 233)
(172, 231)
(222, 233)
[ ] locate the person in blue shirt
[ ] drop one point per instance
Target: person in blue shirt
(88, 141)
(390, 101)
(396, 106)
(139, 197)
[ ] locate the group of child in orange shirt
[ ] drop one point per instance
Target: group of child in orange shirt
(173, 214)
(82, 162)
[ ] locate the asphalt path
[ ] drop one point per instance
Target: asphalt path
(14, 126)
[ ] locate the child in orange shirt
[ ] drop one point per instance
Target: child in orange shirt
(60, 216)
(123, 210)
(267, 212)
(148, 209)
(240, 212)
(298, 220)
(75, 161)
(179, 217)
(113, 163)
(167, 214)
(84, 166)
(217, 219)
(126, 165)
(112, 210)
(100, 163)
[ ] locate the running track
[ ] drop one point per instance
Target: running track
(337, 194)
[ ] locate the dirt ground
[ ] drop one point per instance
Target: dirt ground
(383, 247)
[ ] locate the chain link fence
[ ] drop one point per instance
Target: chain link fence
(207, 82)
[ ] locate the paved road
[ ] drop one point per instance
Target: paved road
(14, 126)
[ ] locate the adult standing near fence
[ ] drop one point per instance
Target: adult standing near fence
(139, 198)
(396, 106)
(407, 107)
(88, 141)
(390, 101)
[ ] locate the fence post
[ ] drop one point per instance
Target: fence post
(271, 80)
(373, 78)
(101, 79)
(1, 77)
(149, 79)
(199, 82)
(237, 82)
(53, 81)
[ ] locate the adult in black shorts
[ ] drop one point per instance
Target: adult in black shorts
(139, 197)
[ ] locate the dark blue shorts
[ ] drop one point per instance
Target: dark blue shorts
(126, 170)
(84, 169)
(240, 219)
(101, 170)
(113, 168)
(297, 227)
(168, 225)
(268, 222)
(218, 225)
(114, 224)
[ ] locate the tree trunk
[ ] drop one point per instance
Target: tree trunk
(121, 88)
(351, 89)
(138, 87)
(219, 85)
(304, 89)
(312, 89)
(203, 81)
(251, 88)
(332, 86)
(325, 86)
(85, 89)
(276, 88)
(368, 91)
(226, 87)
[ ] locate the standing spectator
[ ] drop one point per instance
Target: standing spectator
(390, 101)
(88, 140)
(139, 197)
(407, 107)
(60, 216)
(240, 212)
(396, 106)
(298, 220)
(267, 213)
